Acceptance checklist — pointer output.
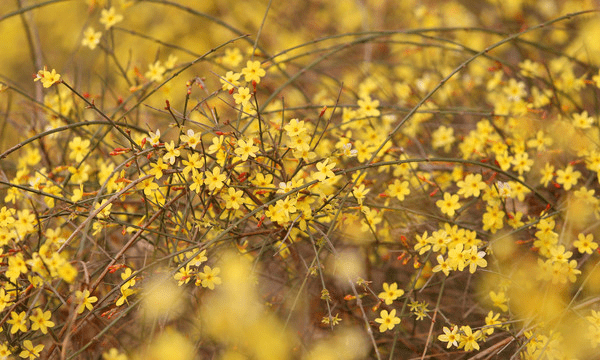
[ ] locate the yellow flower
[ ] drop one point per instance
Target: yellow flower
(300, 142)
(215, 179)
(233, 199)
(443, 137)
(522, 163)
(77, 194)
(567, 177)
(30, 351)
(368, 107)
(457, 257)
(423, 243)
(193, 162)
(493, 219)
(360, 193)
(469, 339)
(91, 38)
(155, 71)
(4, 351)
(245, 149)
(113, 354)
(387, 321)
(253, 71)
(209, 277)
(449, 204)
(4, 299)
(18, 322)
(197, 259)
(184, 275)
(192, 139)
(295, 128)
(79, 148)
(451, 337)
(67, 272)
(48, 78)
(171, 153)
(399, 189)
(443, 266)
(157, 168)
(126, 274)
(582, 121)
(125, 292)
(197, 182)
(491, 321)
(475, 259)
(230, 81)
(334, 320)
(85, 300)
(324, 170)
(41, 320)
(170, 63)
(154, 138)
(471, 186)
(232, 58)
(514, 90)
(105, 212)
(6, 216)
(585, 243)
(217, 144)
(390, 293)
(243, 96)
(547, 174)
(499, 299)
(110, 17)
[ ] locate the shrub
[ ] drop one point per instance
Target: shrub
(374, 185)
